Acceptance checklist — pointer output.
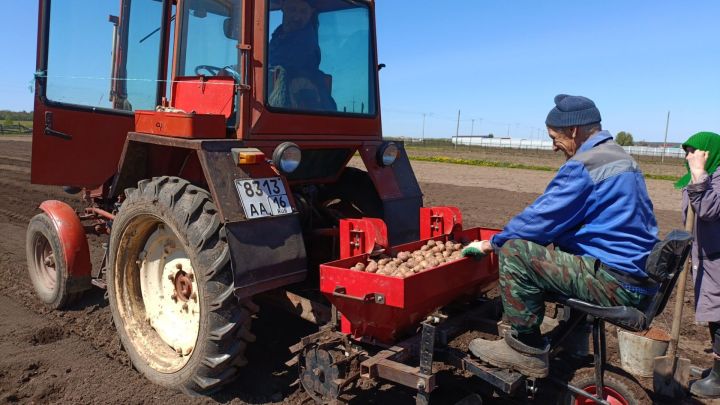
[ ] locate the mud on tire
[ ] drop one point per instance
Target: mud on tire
(185, 212)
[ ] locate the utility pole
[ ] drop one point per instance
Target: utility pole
(667, 125)
(457, 130)
(423, 130)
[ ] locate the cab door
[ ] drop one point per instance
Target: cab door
(98, 61)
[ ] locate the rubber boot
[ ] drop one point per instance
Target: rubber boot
(709, 387)
(513, 354)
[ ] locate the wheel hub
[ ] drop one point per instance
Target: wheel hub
(46, 263)
(169, 291)
(183, 286)
(609, 395)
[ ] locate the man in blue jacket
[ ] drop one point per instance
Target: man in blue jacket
(598, 217)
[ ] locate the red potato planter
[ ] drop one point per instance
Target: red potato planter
(384, 307)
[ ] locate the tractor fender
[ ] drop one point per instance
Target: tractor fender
(72, 237)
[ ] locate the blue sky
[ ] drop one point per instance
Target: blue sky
(502, 61)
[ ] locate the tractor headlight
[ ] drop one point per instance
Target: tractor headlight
(286, 157)
(387, 154)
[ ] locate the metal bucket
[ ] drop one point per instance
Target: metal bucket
(638, 350)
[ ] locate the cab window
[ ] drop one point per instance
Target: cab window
(209, 38)
(320, 57)
(104, 53)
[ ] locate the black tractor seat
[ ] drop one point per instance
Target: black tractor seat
(664, 265)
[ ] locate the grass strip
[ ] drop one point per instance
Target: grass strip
(508, 165)
(483, 163)
(661, 177)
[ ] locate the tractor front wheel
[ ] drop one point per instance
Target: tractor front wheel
(46, 264)
(171, 287)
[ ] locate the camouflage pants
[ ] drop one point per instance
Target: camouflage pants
(528, 271)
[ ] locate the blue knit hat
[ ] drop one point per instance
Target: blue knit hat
(572, 111)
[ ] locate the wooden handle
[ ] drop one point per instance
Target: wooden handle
(680, 294)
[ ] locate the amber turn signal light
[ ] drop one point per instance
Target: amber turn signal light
(247, 156)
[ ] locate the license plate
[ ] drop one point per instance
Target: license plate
(263, 197)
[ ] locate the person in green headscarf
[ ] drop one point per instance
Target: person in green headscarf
(701, 189)
(702, 141)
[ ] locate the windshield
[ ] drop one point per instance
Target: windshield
(320, 57)
(209, 38)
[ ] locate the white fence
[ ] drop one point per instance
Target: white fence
(534, 144)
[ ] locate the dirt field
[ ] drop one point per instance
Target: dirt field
(75, 356)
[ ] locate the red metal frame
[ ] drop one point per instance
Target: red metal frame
(362, 236)
(438, 221)
(72, 237)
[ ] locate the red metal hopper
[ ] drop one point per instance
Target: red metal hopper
(385, 308)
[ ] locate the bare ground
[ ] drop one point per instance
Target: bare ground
(75, 356)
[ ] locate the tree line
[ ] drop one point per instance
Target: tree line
(6, 115)
(624, 139)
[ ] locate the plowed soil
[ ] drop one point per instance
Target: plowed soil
(75, 356)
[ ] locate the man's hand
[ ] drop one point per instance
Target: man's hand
(696, 161)
(477, 249)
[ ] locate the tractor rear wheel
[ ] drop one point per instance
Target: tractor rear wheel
(46, 263)
(171, 287)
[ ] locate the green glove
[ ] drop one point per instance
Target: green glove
(473, 249)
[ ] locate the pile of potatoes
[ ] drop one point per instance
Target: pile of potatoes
(405, 264)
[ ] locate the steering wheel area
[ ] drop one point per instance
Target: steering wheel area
(210, 70)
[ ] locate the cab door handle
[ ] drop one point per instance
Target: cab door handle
(51, 132)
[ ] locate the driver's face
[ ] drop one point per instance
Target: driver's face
(296, 14)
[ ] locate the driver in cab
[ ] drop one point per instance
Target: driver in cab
(294, 61)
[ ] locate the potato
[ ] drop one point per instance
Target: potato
(436, 249)
(431, 243)
(425, 248)
(372, 267)
(440, 244)
(403, 256)
(446, 254)
(433, 262)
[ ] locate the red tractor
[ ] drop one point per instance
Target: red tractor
(210, 139)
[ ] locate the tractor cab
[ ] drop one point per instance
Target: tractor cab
(275, 70)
